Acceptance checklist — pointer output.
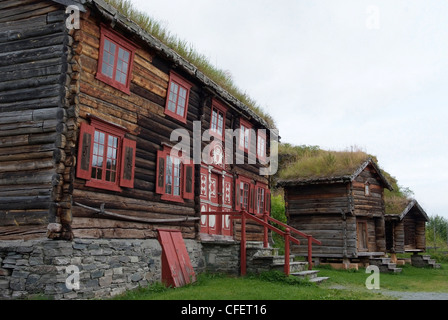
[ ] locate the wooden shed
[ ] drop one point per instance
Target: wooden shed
(405, 230)
(86, 117)
(343, 209)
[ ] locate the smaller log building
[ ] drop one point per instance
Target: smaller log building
(405, 230)
(344, 211)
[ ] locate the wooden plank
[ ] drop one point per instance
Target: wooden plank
(171, 268)
(23, 232)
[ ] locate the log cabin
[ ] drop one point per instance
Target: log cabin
(343, 208)
(86, 118)
(405, 228)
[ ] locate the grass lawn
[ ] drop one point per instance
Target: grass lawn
(342, 285)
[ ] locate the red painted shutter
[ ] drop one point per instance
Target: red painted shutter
(268, 200)
(85, 149)
(188, 181)
(160, 174)
(237, 195)
(128, 163)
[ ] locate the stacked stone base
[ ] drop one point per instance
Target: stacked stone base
(82, 269)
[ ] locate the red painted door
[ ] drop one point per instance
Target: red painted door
(216, 195)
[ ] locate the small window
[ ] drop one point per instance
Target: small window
(367, 189)
(175, 177)
(106, 159)
(115, 60)
(218, 119)
(244, 195)
(245, 133)
(177, 98)
(254, 197)
(261, 145)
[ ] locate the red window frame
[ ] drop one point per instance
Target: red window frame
(261, 141)
(262, 198)
(120, 42)
(174, 98)
(89, 153)
(184, 172)
(253, 196)
(245, 133)
(215, 126)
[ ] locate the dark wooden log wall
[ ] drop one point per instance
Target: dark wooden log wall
(370, 206)
(414, 230)
(330, 212)
(142, 113)
(33, 85)
(323, 212)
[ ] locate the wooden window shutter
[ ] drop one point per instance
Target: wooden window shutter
(251, 198)
(85, 148)
(128, 163)
(188, 181)
(268, 200)
(160, 178)
(237, 195)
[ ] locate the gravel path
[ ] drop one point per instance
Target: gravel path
(404, 295)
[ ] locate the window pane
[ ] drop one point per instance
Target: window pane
(183, 92)
(171, 106)
(214, 120)
(242, 131)
(123, 54)
(180, 110)
(220, 123)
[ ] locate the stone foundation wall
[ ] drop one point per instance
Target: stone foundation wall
(101, 268)
(222, 257)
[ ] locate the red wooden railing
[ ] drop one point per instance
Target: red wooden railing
(264, 219)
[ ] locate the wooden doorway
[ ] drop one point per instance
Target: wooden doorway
(216, 195)
(361, 228)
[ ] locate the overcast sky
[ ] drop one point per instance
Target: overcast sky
(371, 74)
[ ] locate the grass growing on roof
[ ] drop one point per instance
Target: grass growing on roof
(323, 164)
(186, 50)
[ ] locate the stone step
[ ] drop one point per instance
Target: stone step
(385, 265)
(319, 279)
(271, 259)
(379, 261)
(295, 266)
(307, 274)
(311, 275)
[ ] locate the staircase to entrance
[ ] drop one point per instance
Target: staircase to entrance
(261, 259)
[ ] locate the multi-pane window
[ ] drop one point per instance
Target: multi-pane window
(217, 123)
(177, 100)
(115, 60)
(245, 132)
(218, 119)
(106, 159)
(172, 176)
(244, 195)
(252, 196)
(175, 177)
